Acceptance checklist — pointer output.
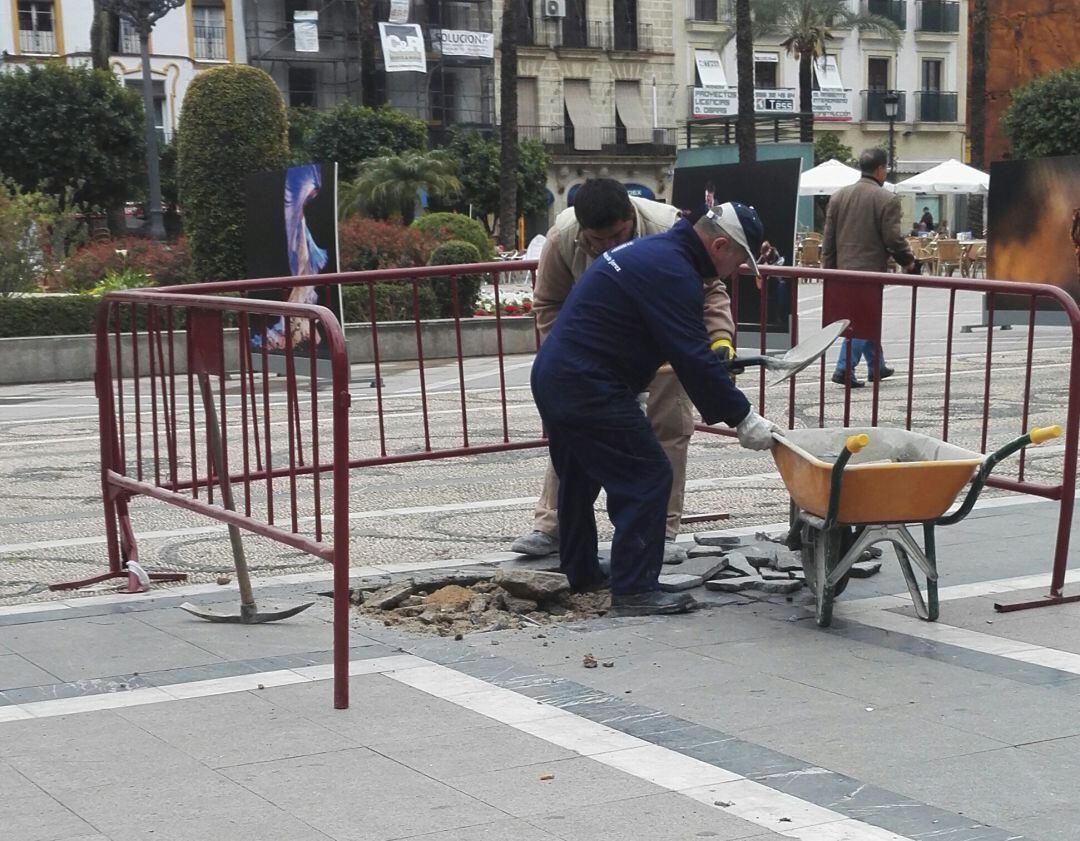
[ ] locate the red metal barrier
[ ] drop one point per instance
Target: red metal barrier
(156, 343)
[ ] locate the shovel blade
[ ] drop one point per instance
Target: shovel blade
(807, 351)
(248, 614)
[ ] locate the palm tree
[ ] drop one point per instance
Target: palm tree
(745, 131)
(389, 185)
(804, 27)
(509, 154)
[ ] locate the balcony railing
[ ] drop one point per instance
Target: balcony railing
(586, 34)
(43, 43)
(937, 16)
(894, 10)
(633, 39)
(873, 103)
(210, 43)
(935, 106)
(710, 11)
(560, 140)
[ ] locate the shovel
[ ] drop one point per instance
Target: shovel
(249, 612)
(789, 363)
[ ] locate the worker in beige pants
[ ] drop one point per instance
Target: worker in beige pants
(604, 216)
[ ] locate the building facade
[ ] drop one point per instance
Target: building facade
(926, 71)
(199, 35)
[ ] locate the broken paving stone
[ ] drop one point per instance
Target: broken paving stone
(546, 777)
(864, 569)
(391, 596)
(222, 580)
(789, 586)
(677, 582)
(516, 605)
(760, 555)
(704, 552)
(788, 561)
(712, 538)
(608, 664)
(752, 582)
(705, 567)
(731, 585)
(531, 584)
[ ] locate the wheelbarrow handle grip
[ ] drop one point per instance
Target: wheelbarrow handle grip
(1045, 433)
(855, 443)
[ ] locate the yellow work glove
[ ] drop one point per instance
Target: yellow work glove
(725, 350)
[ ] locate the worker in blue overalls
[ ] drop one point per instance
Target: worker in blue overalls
(640, 304)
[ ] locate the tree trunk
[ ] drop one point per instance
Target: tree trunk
(977, 83)
(745, 135)
(806, 99)
(508, 116)
(99, 38)
(369, 76)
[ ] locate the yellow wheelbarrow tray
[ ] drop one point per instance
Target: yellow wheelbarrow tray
(852, 488)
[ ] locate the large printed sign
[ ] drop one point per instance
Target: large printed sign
(403, 47)
(709, 68)
(306, 31)
(463, 42)
(716, 102)
(834, 105)
(771, 101)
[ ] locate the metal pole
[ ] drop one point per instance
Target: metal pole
(892, 149)
(153, 177)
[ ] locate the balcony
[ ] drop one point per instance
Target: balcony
(210, 43)
(559, 140)
(873, 106)
(628, 38)
(710, 11)
(583, 35)
(42, 43)
(937, 16)
(935, 106)
(894, 10)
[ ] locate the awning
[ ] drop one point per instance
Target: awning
(628, 105)
(709, 68)
(582, 113)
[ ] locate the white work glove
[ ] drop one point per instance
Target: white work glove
(756, 432)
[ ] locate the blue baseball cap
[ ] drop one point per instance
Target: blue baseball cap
(742, 224)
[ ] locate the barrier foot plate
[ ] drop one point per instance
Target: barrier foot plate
(1045, 601)
(108, 576)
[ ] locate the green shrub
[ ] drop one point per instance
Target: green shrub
(393, 302)
(366, 244)
(167, 264)
(47, 315)
(1044, 116)
(350, 134)
(233, 125)
(443, 227)
(456, 252)
(126, 278)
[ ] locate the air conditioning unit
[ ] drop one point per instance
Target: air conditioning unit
(554, 8)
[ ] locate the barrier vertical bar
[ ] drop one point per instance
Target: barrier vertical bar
(290, 387)
(244, 362)
(911, 354)
(420, 364)
(114, 316)
(342, 400)
(948, 364)
(378, 368)
(1027, 381)
(191, 408)
(989, 364)
(266, 421)
(135, 390)
(151, 323)
(500, 358)
(460, 362)
(313, 381)
(174, 455)
(107, 429)
(1068, 485)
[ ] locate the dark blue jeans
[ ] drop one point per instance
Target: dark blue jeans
(613, 448)
(860, 349)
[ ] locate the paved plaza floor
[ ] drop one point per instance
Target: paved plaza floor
(122, 717)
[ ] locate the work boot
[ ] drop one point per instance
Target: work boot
(536, 544)
(601, 583)
(886, 372)
(838, 378)
(673, 552)
(651, 603)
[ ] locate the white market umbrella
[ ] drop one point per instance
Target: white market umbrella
(828, 177)
(949, 177)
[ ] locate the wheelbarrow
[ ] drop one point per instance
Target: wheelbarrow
(854, 488)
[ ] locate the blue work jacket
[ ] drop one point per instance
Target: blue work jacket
(636, 306)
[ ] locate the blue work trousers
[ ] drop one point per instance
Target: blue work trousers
(614, 448)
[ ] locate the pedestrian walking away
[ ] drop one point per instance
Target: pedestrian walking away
(604, 216)
(862, 228)
(639, 305)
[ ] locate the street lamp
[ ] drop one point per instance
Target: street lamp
(891, 101)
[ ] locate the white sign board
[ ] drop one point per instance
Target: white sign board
(306, 31)
(832, 105)
(772, 101)
(828, 74)
(403, 47)
(463, 42)
(716, 102)
(709, 68)
(766, 58)
(399, 11)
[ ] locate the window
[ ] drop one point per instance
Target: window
(159, 105)
(528, 90)
(294, 6)
(931, 74)
(123, 37)
(766, 67)
(303, 83)
(575, 25)
(626, 34)
(877, 74)
(208, 25)
(36, 34)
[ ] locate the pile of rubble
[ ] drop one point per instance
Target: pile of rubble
(457, 604)
(760, 563)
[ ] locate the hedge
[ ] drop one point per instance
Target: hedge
(62, 315)
(454, 253)
(393, 302)
(443, 227)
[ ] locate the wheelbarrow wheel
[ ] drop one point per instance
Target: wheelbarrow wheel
(824, 593)
(809, 538)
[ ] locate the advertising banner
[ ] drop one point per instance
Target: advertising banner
(772, 188)
(306, 31)
(399, 11)
(292, 231)
(715, 102)
(462, 42)
(775, 100)
(403, 47)
(832, 105)
(709, 68)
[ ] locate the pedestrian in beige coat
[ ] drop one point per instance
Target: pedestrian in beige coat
(604, 216)
(862, 228)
